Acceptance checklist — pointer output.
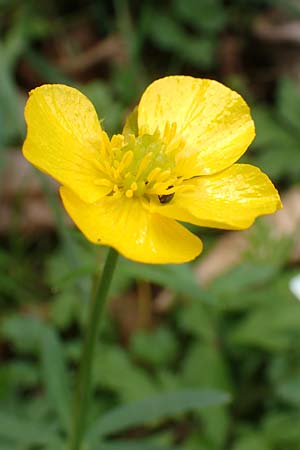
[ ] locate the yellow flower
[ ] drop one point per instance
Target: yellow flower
(174, 161)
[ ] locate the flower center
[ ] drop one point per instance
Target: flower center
(140, 167)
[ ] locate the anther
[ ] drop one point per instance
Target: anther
(134, 186)
(125, 161)
(144, 163)
(153, 174)
(164, 175)
(129, 193)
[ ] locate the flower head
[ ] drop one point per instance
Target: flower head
(175, 160)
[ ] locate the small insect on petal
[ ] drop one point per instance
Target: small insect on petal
(166, 198)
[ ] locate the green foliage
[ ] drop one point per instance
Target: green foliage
(57, 383)
(154, 409)
(131, 445)
(278, 133)
(109, 110)
(219, 341)
(198, 46)
(133, 384)
(157, 348)
(25, 432)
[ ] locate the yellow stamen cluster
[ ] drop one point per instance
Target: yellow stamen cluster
(139, 166)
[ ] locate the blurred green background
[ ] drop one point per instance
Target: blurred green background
(229, 321)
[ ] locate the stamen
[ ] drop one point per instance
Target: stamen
(129, 193)
(174, 146)
(117, 141)
(125, 161)
(106, 144)
(164, 175)
(144, 163)
(134, 186)
(118, 195)
(152, 175)
(140, 166)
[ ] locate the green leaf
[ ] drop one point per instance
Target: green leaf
(242, 277)
(199, 51)
(195, 319)
(173, 33)
(157, 347)
(49, 72)
(205, 366)
(109, 111)
(208, 16)
(268, 128)
(177, 277)
(64, 308)
(23, 332)
(280, 430)
(55, 375)
(275, 159)
(290, 392)
(251, 442)
(288, 103)
(26, 432)
(11, 101)
(11, 107)
(274, 324)
(131, 445)
(276, 144)
(18, 373)
(157, 408)
(134, 384)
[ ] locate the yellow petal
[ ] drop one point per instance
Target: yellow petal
(231, 199)
(64, 138)
(213, 122)
(125, 225)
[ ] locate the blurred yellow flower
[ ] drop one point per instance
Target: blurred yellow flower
(174, 161)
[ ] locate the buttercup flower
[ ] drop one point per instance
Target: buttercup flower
(173, 161)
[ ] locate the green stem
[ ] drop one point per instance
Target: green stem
(82, 395)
